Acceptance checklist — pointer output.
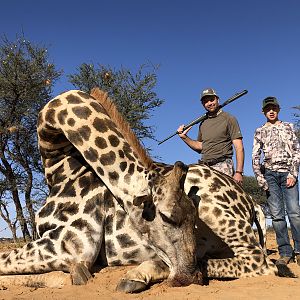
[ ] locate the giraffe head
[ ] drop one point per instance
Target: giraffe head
(167, 218)
(161, 211)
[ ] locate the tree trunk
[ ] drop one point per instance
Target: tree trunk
(28, 202)
(11, 225)
(20, 216)
(15, 197)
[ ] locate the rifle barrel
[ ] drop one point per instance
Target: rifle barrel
(201, 118)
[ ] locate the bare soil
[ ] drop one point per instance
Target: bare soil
(102, 286)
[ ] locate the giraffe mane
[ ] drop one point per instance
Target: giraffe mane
(123, 125)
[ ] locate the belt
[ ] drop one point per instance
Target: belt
(214, 161)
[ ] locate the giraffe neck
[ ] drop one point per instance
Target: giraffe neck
(75, 120)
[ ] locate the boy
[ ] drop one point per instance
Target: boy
(277, 175)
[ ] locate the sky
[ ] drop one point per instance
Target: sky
(231, 46)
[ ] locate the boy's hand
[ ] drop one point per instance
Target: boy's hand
(238, 178)
(290, 182)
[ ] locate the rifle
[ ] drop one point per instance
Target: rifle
(201, 118)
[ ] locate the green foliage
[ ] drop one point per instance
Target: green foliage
(297, 121)
(251, 187)
(26, 79)
(133, 93)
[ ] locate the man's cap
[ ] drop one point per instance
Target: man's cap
(208, 92)
(270, 101)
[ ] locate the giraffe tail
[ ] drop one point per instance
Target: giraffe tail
(260, 222)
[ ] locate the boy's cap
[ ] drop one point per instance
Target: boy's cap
(270, 100)
(208, 92)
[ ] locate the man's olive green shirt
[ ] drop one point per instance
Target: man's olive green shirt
(216, 134)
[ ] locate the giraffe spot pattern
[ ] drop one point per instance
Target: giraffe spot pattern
(109, 224)
(55, 234)
(68, 190)
(91, 154)
(121, 217)
(110, 249)
(55, 103)
(47, 210)
(82, 112)
(109, 199)
(100, 125)
(74, 138)
(88, 184)
(71, 243)
(125, 241)
(113, 177)
(50, 116)
(64, 209)
(100, 171)
(121, 154)
(59, 175)
(123, 166)
(73, 99)
(217, 212)
(97, 107)
(131, 169)
(42, 228)
(92, 209)
(62, 116)
(48, 246)
(101, 143)
(71, 122)
(132, 255)
(83, 95)
(114, 140)
(108, 158)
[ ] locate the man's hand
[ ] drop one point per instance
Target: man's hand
(238, 177)
(290, 182)
(182, 133)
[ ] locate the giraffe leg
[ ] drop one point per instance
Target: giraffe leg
(139, 278)
(240, 266)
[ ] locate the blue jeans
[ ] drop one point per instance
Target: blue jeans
(281, 198)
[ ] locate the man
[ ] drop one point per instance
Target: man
(217, 133)
(277, 175)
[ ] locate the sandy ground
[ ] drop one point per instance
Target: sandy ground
(102, 286)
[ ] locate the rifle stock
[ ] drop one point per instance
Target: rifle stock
(201, 118)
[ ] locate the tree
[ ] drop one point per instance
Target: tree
(26, 79)
(251, 187)
(297, 121)
(132, 93)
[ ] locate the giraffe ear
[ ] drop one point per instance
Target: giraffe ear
(138, 200)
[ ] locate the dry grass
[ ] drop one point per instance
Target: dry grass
(8, 245)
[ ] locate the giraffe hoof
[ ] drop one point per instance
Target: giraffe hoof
(131, 286)
(80, 274)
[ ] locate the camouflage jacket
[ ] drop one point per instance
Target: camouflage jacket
(279, 146)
